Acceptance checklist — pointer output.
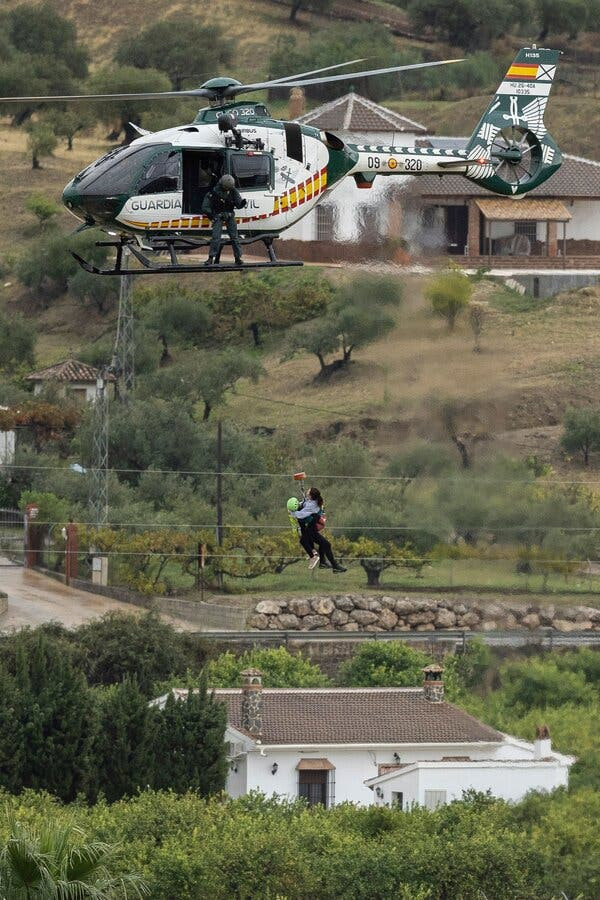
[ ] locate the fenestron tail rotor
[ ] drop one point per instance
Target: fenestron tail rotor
(516, 155)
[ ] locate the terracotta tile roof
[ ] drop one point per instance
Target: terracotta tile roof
(68, 370)
(577, 177)
(357, 716)
(355, 113)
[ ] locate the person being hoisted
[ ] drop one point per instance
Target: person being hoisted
(220, 204)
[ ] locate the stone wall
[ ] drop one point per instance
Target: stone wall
(3, 603)
(354, 612)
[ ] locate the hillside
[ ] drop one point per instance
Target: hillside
(564, 117)
(518, 388)
(520, 384)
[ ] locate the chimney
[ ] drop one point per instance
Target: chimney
(297, 103)
(433, 684)
(252, 702)
(542, 746)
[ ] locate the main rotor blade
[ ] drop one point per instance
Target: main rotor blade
(232, 90)
(154, 95)
(351, 62)
(163, 95)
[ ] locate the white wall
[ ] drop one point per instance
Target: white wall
(352, 767)
(507, 781)
(7, 447)
(347, 198)
(90, 389)
(510, 783)
(585, 224)
(235, 784)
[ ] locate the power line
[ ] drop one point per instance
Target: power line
(297, 405)
(258, 526)
(408, 563)
(288, 475)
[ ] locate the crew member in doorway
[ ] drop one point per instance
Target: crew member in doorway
(220, 205)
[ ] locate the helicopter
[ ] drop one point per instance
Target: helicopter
(148, 194)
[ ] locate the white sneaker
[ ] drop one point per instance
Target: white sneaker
(314, 561)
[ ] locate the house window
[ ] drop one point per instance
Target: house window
(317, 786)
(528, 228)
(433, 799)
(325, 223)
(397, 799)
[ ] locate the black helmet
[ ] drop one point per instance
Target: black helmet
(227, 182)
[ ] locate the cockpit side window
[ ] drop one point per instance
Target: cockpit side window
(251, 170)
(119, 174)
(162, 173)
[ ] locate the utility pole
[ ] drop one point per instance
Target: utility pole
(220, 492)
(219, 483)
(98, 496)
(123, 360)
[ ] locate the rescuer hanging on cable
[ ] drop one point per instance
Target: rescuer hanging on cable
(311, 521)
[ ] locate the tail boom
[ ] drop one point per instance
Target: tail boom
(510, 152)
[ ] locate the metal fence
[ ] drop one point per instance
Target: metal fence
(546, 638)
(12, 537)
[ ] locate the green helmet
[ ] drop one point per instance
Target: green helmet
(293, 504)
(227, 182)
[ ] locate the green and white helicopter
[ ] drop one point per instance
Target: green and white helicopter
(148, 195)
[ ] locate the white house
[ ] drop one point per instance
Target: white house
(399, 746)
(7, 445)
(349, 214)
(559, 218)
(75, 380)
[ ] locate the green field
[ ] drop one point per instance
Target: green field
(474, 579)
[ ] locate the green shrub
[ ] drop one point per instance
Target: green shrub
(383, 664)
(279, 667)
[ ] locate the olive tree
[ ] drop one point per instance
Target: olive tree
(449, 294)
(41, 141)
(581, 432)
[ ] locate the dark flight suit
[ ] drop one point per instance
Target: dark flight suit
(219, 205)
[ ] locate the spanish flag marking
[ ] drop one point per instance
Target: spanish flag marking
(301, 194)
(527, 71)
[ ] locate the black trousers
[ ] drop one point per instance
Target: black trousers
(227, 219)
(309, 536)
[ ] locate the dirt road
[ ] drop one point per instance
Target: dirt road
(34, 598)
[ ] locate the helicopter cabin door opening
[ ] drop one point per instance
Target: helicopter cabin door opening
(201, 171)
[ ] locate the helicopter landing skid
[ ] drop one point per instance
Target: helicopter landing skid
(173, 245)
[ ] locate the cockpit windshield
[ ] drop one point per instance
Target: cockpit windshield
(117, 171)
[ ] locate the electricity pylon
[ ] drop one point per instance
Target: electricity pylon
(123, 359)
(98, 497)
(122, 370)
